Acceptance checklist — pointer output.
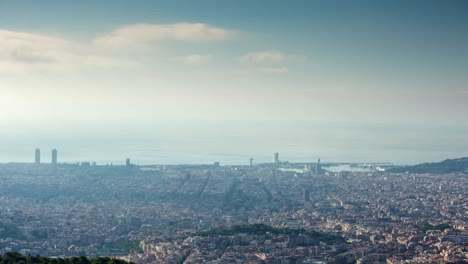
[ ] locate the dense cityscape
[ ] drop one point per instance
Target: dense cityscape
(277, 212)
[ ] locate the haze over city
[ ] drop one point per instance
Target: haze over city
(192, 82)
(232, 132)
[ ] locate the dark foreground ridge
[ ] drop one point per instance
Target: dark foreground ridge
(15, 257)
(447, 166)
(262, 229)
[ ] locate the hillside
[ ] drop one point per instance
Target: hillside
(447, 166)
(261, 229)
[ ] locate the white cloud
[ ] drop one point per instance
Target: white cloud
(11, 40)
(269, 61)
(194, 59)
(269, 57)
(263, 57)
(273, 69)
(21, 51)
(141, 35)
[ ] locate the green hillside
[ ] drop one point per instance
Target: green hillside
(261, 229)
(447, 166)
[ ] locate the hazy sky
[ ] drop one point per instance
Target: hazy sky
(344, 80)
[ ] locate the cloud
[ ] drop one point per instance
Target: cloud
(29, 48)
(22, 51)
(269, 57)
(269, 61)
(14, 39)
(194, 59)
(141, 35)
(263, 57)
(273, 69)
(28, 55)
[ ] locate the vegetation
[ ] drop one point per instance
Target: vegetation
(121, 245)
(447, 166)
(8, 230)
(425, 226)
(261, 229)
(17, 258)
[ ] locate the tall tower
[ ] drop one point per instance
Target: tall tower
(127, 162)
(37, 156)
(318, 169)
(276, 158)
(251, 162)
(54, 157)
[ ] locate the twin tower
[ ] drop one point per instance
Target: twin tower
(37, 155)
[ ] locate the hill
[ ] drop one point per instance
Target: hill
(447, 166)
(261, 229)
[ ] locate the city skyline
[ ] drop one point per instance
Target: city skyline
(54, 160)
(361, 81)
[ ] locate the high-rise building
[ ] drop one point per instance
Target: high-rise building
(276, 158)
(318, 169)
(127, 162)
(251, 162)
(54, 157)
(37, 156)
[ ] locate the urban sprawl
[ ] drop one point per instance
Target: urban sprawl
(275, 212)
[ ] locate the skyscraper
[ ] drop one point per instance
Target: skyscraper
(276, 159)
(37, 156)
(318, 169)
(251, 162)
(54, 157)
(127, 162)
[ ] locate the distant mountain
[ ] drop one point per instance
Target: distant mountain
(447, 166)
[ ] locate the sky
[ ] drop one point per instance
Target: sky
(197, 81)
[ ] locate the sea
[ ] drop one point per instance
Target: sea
(232, 143)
